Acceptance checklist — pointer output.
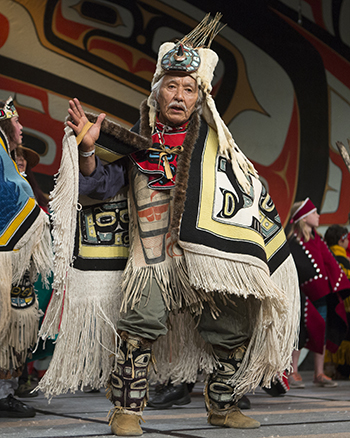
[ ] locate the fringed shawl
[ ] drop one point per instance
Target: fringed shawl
(254, 260)
(90, 253)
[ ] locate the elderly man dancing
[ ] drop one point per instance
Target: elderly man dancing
(204, 236)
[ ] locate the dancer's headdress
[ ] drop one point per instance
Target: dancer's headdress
(193, 55)
(304, 210)
(9, 110)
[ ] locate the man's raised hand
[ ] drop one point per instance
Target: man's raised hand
(79, 118)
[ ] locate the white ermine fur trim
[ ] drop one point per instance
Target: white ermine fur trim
(241, 166)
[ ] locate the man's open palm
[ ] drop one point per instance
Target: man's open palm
(79, 121)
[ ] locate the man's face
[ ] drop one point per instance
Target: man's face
(177, 98)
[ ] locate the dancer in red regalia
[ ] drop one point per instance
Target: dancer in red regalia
(323, 286)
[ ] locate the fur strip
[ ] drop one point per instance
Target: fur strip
(122, 134)
(183, 169)
(145, 129)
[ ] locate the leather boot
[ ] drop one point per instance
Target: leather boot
(220, 396)
(170, 395)
(126, 424)
(244, 403)
(128, 386)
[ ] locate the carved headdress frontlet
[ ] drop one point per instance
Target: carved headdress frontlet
(184, 56)
(9, 110)
(193, 55)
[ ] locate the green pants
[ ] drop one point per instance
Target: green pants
(229, 330)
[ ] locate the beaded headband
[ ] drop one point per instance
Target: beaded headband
(9, 110)
(304, 210)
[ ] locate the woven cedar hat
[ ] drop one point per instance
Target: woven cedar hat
(30, 156)
(193, 55)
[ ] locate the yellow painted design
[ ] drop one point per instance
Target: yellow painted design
(205, 220)
(265, 204)
(273, 246)
(100, 251)
(106, 155)
(91, 225)
(16, 223)
(104, 252)
(266, 223)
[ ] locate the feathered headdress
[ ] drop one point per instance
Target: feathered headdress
(193, 55)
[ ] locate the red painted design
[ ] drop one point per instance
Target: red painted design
(4, 29)
(282, 174)
(41, 122)
(339, 67)
(68, 28)
(341, 215)
(153, 213)
(126, 55)
(317, 12)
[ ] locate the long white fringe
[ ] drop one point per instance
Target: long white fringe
(5, 292)
(82, 354)
(275, 322)
(171, 276)
(214, 274)
(182, 353)
(270, 348)
(286, 279)
(20, 336)
(35, 251)
(64, 201)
